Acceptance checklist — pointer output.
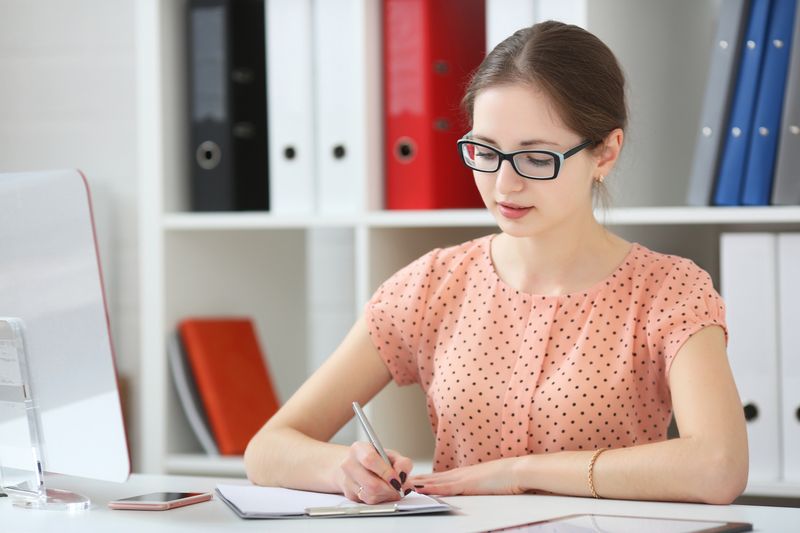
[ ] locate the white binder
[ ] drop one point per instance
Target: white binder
(504, 17)
(567, 11)
(347, 71)
(789, 335)
(290, 105)
(749, 287)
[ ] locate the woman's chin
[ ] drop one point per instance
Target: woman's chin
(518, 228)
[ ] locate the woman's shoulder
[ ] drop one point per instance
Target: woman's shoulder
(650, 263)
(441, 266)
(436, 270)
(667, 273)
(454, 258)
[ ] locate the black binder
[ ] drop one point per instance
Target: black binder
(227, 97)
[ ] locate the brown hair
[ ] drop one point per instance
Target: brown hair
(575, 69)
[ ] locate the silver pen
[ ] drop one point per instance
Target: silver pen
(373, 437)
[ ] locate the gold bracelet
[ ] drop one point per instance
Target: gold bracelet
(595, 455)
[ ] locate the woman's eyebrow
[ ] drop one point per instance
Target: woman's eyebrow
(531, 142)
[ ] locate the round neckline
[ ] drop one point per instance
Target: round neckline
(589, 291)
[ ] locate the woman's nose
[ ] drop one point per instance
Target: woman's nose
(508, 180)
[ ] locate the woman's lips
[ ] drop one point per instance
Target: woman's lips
(512, 210)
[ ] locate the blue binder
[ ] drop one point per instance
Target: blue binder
(734, 155)
(720, 85)
(766, 124)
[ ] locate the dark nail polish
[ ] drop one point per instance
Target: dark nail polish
(419, 486)
(407, 491)
(402, 477)
(395, 484)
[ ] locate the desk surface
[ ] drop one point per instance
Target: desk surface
(475, 513)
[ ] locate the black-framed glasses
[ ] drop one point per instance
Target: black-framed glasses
(531, 164)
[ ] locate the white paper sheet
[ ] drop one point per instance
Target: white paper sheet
(264, 502)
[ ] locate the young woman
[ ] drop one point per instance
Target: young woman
(552, 354)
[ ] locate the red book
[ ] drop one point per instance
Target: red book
(430, 49)
(231, 376)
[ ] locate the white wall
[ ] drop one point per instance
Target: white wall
(67, 99)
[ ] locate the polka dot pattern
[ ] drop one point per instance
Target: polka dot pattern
(508, 373)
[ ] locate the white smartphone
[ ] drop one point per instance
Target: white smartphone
(160, 501)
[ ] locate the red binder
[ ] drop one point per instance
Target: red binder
(231, 377)
(430, 49)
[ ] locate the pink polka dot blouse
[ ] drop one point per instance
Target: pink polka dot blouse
(508, 373)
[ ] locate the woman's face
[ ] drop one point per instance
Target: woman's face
(519, 117)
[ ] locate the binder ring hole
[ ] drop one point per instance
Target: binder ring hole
(750, 412)
(797, 414)
(405, 150)
(339, 151)
(289, 152)
(441, 124)
(208, 155)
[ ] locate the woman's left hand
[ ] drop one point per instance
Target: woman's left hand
(493, 477)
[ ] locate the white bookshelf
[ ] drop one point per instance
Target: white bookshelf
(201, 464)
(623, 216)
(261, 264)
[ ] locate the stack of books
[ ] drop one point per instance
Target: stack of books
(222, 381)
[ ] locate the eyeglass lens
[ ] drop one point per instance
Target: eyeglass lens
(530, 164)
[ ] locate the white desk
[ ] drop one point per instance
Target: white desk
(476, 512)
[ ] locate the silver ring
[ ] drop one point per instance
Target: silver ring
(358, 492)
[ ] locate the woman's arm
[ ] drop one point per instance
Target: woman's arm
(291, 449)
(707, 463)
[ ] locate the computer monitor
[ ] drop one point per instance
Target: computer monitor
(51, 281)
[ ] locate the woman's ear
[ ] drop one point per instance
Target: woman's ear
(608, 152)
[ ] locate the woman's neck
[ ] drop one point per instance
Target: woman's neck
(559, 262)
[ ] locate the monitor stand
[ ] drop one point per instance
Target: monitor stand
(21, 465)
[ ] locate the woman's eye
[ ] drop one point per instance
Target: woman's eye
(485, 154)
(538, 161)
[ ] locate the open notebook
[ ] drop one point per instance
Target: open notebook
(251, 501)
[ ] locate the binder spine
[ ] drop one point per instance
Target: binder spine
(347, 100)
(249, 104)
(211, 185)
(734, 155)
(227, 88)
(766, 124)
(789, 296)
(430, 50)
(748, 281)
(786, 190)
(716, 101)
(290, 107)
(504, 17)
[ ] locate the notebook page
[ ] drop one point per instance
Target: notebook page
(252, 499)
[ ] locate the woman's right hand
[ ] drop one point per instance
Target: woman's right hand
(365, 476)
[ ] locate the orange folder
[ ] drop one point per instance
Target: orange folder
(231, 376)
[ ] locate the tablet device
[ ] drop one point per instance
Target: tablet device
(582, 523)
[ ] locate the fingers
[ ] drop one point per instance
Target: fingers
(369, 458)
(440, 489)
(403, 466)
(367, 477)
(439, 483)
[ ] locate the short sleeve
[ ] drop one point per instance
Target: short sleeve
(685, 303)
(394, 317)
